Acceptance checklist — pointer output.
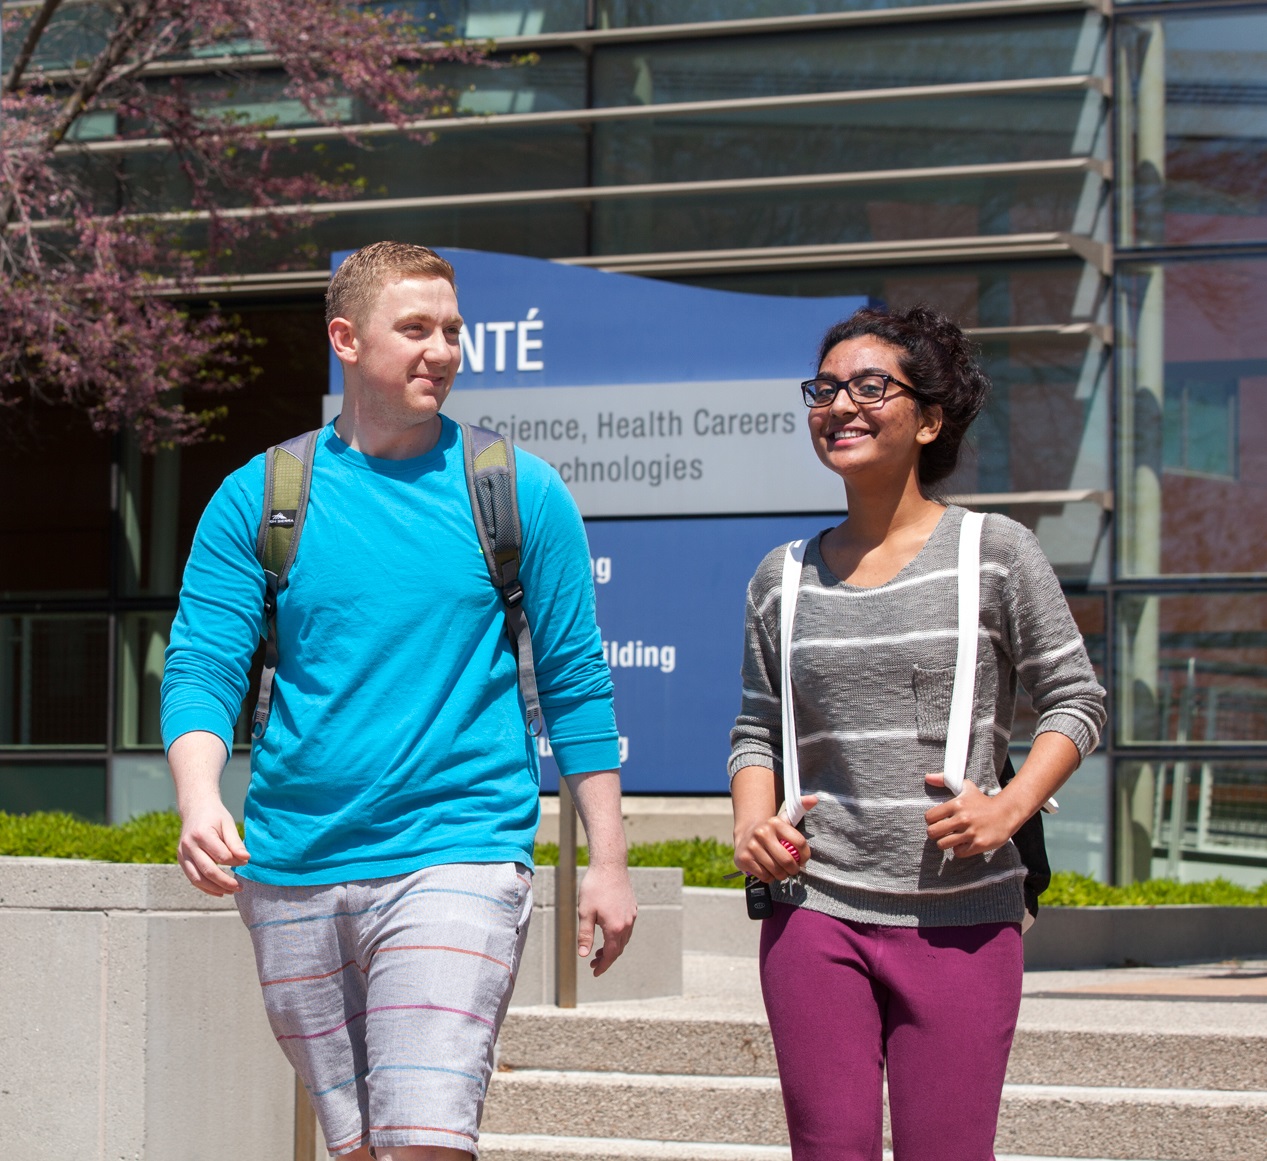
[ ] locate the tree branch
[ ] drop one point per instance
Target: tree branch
(125, 35)
(27, 51)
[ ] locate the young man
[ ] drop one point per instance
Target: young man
(393, 800)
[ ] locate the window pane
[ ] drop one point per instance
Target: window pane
(1193, 128)
(1077, 836)
(479, 19)
(843, 139)
(626, 13)
(149, 510)
(1192, 342)
(142, 639)
(1192, 668)
(140, 784)
(537, 231)
(1054, 384)
(75, 788)
(485, 161)
(1192, 821)
(53, 680)
(889, 212)
(855, 58)
(55, 518)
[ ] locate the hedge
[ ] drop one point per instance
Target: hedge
(152, 839)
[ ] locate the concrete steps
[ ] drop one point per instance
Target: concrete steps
(679, 1079)
(531, 1147)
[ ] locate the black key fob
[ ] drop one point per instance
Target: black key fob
(757, 895)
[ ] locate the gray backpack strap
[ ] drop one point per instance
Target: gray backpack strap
(490, 479)
(287, 482)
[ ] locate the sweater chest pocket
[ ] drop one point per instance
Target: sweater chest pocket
(933, 689)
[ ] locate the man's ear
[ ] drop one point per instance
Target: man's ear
(342, 334)
(930, 417)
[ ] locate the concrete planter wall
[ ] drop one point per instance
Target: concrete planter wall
(1071, 937)
(131, 1024)
(1063, 937)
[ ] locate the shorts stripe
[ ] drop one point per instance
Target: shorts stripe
(428, 1068)
(419, 1129)
(386, 1008)
(343, 1083)
(364, 970)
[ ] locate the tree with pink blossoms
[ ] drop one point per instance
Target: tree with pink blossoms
(93, 273)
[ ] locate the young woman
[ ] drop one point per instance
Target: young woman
(884, 950)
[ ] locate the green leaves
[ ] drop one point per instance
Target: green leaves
(703, 861)
(1072, 890)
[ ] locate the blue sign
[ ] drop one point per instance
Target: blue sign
(671, 597)
(654, 400)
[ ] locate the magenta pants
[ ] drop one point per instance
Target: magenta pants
(937, 1006)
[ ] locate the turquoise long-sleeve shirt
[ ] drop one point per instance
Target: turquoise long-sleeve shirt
(397, 736)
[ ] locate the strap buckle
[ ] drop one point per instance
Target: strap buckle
(513, 594)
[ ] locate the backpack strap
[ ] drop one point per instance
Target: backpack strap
(287, 483)
(490, 478)
(793, 559)
(962, 696)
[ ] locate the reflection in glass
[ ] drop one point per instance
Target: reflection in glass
(627, 13)
(1200, 677)
(142, 783)
(1056, 384)
(893, 211)
(483, 19)
(149, 509)
(1192, 342)
(1190, 820)
(53, 680)
(77, 788)
(143, 638)
(1046, 45)
(55, 515)
(1193, 128)
(1077, 836)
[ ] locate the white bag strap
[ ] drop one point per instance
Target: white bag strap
(792, 809)
(959, 731)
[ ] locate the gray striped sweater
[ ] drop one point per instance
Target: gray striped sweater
(872, 672)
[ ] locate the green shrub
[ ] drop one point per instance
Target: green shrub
(152, 839)
(1071, 890)
(703, 861)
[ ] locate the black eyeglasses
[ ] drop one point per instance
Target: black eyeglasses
(866, 389)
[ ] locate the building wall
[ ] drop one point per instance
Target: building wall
(1085, 190)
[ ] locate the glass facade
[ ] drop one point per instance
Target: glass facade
(1110, 257)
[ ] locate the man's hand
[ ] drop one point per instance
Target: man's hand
(209, 836)
(971, 823)
(606, 898)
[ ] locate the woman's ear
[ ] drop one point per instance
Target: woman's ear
(930, 416)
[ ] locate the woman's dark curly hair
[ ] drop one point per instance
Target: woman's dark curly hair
(937, 360)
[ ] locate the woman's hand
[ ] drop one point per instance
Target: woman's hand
(772, 848)
(971, 823)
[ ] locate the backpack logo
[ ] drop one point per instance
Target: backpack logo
(281, 519)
